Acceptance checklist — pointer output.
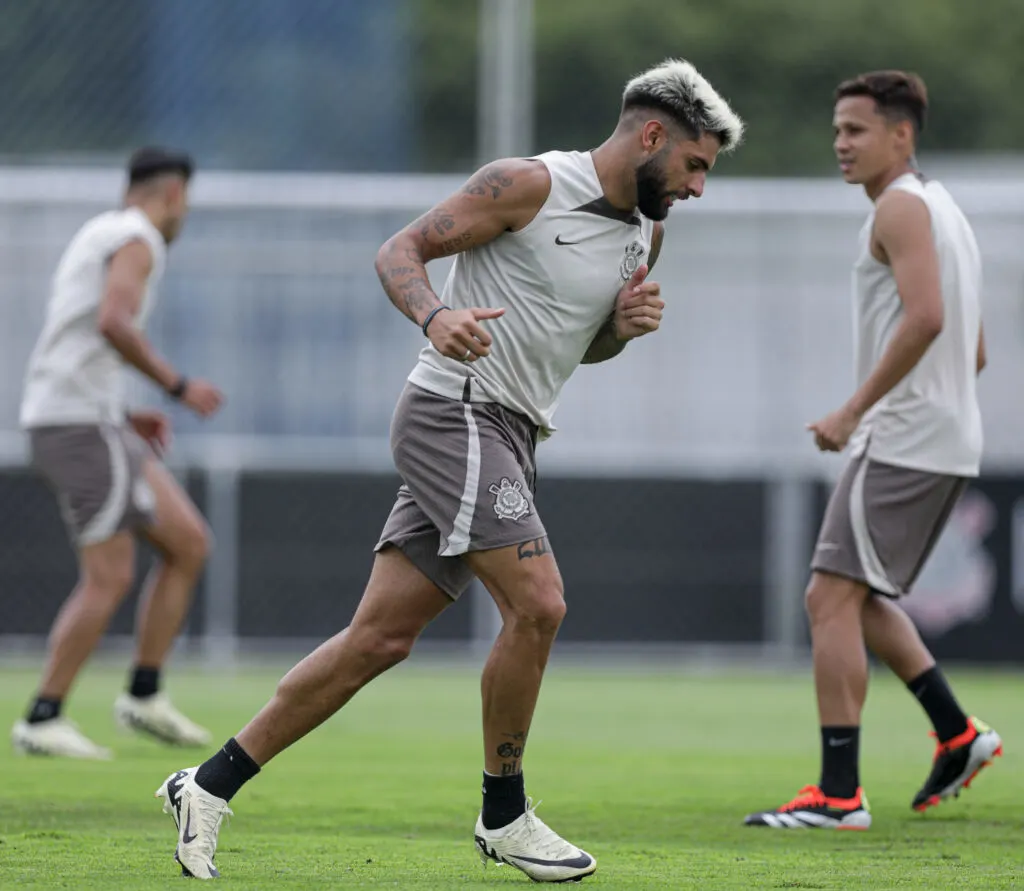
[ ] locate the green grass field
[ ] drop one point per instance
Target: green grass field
(652, 773)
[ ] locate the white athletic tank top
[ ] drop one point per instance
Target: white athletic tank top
(930, 421)
(74, 376)
(557, 279)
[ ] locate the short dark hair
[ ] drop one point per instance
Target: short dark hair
(151, 161)
(899, 95)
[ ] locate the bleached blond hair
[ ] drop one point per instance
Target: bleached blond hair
(681, 91)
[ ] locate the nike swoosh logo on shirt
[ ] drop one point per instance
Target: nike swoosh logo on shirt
(558, 240)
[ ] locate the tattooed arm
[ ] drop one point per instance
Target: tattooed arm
(502, 196)
(637, 311)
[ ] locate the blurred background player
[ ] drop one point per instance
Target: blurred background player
(914, 427)
(103, 460)
(553, 252)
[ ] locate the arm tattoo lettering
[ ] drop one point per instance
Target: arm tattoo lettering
(536, 548)
(454, 244)
(441, 223)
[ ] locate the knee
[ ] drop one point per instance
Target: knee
(384, 649)
(193, 547)
(828, 597)
(813, 599)
(108, 583)
(541, 609)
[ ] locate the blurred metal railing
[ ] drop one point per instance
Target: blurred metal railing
(271, 292)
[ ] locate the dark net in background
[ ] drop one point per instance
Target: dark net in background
(244, 84)
(641, 559)
(38, 569)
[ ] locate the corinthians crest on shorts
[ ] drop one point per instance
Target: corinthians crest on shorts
(509, 501)
(631, 262)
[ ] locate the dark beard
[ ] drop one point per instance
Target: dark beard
(650, 189)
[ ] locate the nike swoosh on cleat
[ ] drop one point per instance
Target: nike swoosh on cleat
(581, 862)
(174, 786)
(185, 838)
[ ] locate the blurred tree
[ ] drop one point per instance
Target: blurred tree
(331, 84)
(444, 71)
(777, 62)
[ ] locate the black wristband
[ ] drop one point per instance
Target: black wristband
(178, 390)
(430, 317)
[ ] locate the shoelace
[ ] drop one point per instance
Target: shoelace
(548, 842)
(210, 817)
(809, 796)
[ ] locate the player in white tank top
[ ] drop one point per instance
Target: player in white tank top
(552, 256)
(930, 420)
(75, 375)
(915, 431)
(557, 278)
(102, 460)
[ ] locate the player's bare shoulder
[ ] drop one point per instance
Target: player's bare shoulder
(520, 185)
(500, 197)
(901, 218)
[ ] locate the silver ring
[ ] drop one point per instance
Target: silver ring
(466, 357)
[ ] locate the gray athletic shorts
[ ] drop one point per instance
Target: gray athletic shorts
(882, 522)
(96, 473)
(468, 472)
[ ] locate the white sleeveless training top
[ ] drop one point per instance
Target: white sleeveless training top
(930, 421)
(74, 375)
(556, 278)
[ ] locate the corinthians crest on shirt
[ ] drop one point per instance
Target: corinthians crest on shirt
(631, 261)
(509, 501)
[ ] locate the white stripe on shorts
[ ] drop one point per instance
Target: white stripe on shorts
(458, 541)
(870, 562)
(103, 525)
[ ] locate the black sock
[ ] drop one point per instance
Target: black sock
(839, 756)
(504, 800)
(939, 703)
(227, 771)
(145, 682)
(43, 709)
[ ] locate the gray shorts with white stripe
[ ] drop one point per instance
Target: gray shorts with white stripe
(882, 523)
(469, 473)
(97, 474)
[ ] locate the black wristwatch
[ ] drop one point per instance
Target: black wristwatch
(178, 390)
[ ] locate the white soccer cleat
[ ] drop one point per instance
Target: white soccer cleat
(530, 846)
(58, 737)
(157, 717)
(197, 815)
